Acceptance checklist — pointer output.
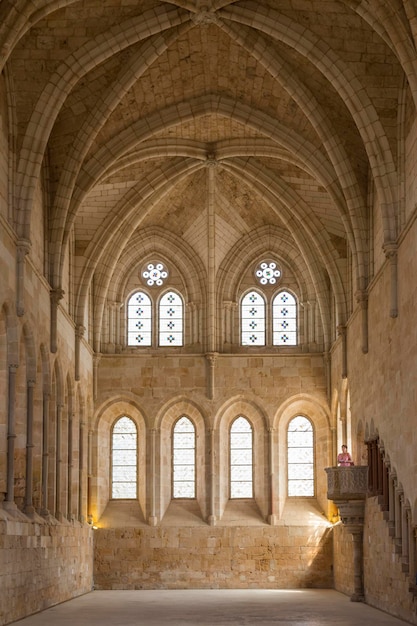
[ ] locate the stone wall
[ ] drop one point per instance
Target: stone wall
(386, 584)
(42, 565)
(343, 560)
(284, 557)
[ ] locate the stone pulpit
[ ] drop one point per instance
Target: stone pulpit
(347, 487)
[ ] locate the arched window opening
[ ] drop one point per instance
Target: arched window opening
(124, 459)
(171, 320)
(284, 319)
(241, 459)
(183, 459)
(253, 319)
(300, 450)
(139, 320)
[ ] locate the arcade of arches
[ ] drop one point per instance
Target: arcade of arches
(208, 236)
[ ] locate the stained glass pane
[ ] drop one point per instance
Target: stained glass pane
(139, 320)
(124, 459)
(267, 273)
(171, 320)
(155, 274)
(300, 450)
(183, 454)
(284, 319)
(252, 320)
(241, 464)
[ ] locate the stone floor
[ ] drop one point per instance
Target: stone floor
(248, 607)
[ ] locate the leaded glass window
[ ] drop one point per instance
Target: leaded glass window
(155, 274)
(284, 315)
(139, 320)
(267, 273)
(241, 459)
(170, 320)
(124, 459)
(183, 455)
(300, 450)
(253, 319)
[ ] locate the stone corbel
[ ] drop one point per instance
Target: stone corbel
(56, 296)
(23, 248)
(391, 253)
(362, 300)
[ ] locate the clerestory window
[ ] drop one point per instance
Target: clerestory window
(143, 327)
(253, 319)
(284, 319)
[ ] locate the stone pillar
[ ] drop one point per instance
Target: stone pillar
(229, 311)
(391, 253)
(22, 249)
(96, 363)
(212, 514)
(79, 334)
(11, 435)
(412, 572)
(391, 504)
(341, 329)
(56, 296)
(58, 462)
(153, 519)
(29, 508)
(212, 338)
(211, 359)
(272, 504)
(89, 475)
(362, 299)
(405, 524)
(45, 454)
(70, 466)
(311, 323)
(357, 534)
(398, 519)
(81, 475)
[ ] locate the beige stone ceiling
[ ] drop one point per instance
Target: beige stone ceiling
(147, 114)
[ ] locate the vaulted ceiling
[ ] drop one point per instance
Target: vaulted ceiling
(209, 121)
